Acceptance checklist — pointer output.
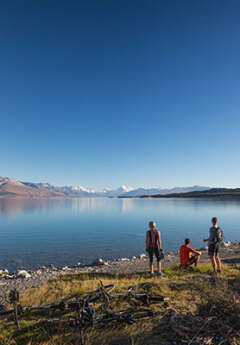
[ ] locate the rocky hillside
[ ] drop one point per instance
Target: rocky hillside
(13, 188)
(214, 192)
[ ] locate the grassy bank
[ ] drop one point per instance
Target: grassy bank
(202, 309)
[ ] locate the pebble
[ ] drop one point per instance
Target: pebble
(142, 256)
(23, 274)
(53, 267)
(66, 268)
(4, 272)
(99, 262)
(226, 244)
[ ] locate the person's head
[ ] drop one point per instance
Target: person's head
(187, 241)
(152, 225)
(214, 221)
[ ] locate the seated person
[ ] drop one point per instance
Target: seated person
(186, 258)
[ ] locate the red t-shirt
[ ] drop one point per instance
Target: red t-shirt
(185, 254)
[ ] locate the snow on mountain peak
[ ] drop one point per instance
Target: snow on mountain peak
(88, 190)
(125, 189)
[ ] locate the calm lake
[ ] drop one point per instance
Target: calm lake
(37, 232)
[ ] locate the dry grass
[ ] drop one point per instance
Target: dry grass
(191, 294)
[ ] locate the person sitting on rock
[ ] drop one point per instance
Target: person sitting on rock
(188, 255)
(154, 246)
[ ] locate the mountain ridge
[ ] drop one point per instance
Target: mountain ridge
(10, 187)
(209, 193)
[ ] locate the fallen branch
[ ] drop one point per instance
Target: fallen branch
(204, 324)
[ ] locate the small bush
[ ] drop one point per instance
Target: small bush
(218, 299)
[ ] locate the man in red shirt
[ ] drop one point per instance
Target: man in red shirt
(186, 258)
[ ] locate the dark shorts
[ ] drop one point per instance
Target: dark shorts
(213, 249)
(192, 260)
(156, 252)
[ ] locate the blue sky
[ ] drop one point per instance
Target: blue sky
(103, 93)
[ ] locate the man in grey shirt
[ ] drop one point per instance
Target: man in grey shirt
(213, 245)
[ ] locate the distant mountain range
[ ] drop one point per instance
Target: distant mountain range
(13, 188)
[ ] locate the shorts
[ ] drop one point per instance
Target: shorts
(155, 251)
(192, 260)
(213, 249)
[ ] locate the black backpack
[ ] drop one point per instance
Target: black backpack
(218, 235)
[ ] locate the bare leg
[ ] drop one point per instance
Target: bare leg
(197, 260)
(159, 266)
(151, 267)
(212, 258)
(218, 263)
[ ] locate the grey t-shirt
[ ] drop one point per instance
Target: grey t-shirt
(213, 230)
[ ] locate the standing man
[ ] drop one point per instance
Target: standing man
(154, 246)
(214, 240)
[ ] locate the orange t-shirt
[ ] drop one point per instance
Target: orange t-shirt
(185, 254)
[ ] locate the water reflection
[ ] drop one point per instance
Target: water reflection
(11, 206)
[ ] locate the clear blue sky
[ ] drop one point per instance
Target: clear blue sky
(103, 93)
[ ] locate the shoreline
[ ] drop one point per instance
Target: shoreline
(24, 279)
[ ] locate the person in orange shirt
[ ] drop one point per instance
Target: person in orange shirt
(188, 255)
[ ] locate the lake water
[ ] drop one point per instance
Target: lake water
(37, 232)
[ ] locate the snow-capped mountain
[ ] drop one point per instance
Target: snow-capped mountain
(153, 191)
(14, 188)
(123, 190)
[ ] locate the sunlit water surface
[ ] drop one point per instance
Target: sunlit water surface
(37, 232)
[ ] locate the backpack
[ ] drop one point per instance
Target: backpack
(218, 235)
(153, 237)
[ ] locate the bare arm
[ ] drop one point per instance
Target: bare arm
(195, 251)
(209, 238)
(206, 239)
(159, 240)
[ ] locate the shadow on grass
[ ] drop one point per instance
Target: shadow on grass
(29, 330)
(101, 276)
(232, 261)
(39, 332)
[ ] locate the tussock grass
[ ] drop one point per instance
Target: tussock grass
(190, 293)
